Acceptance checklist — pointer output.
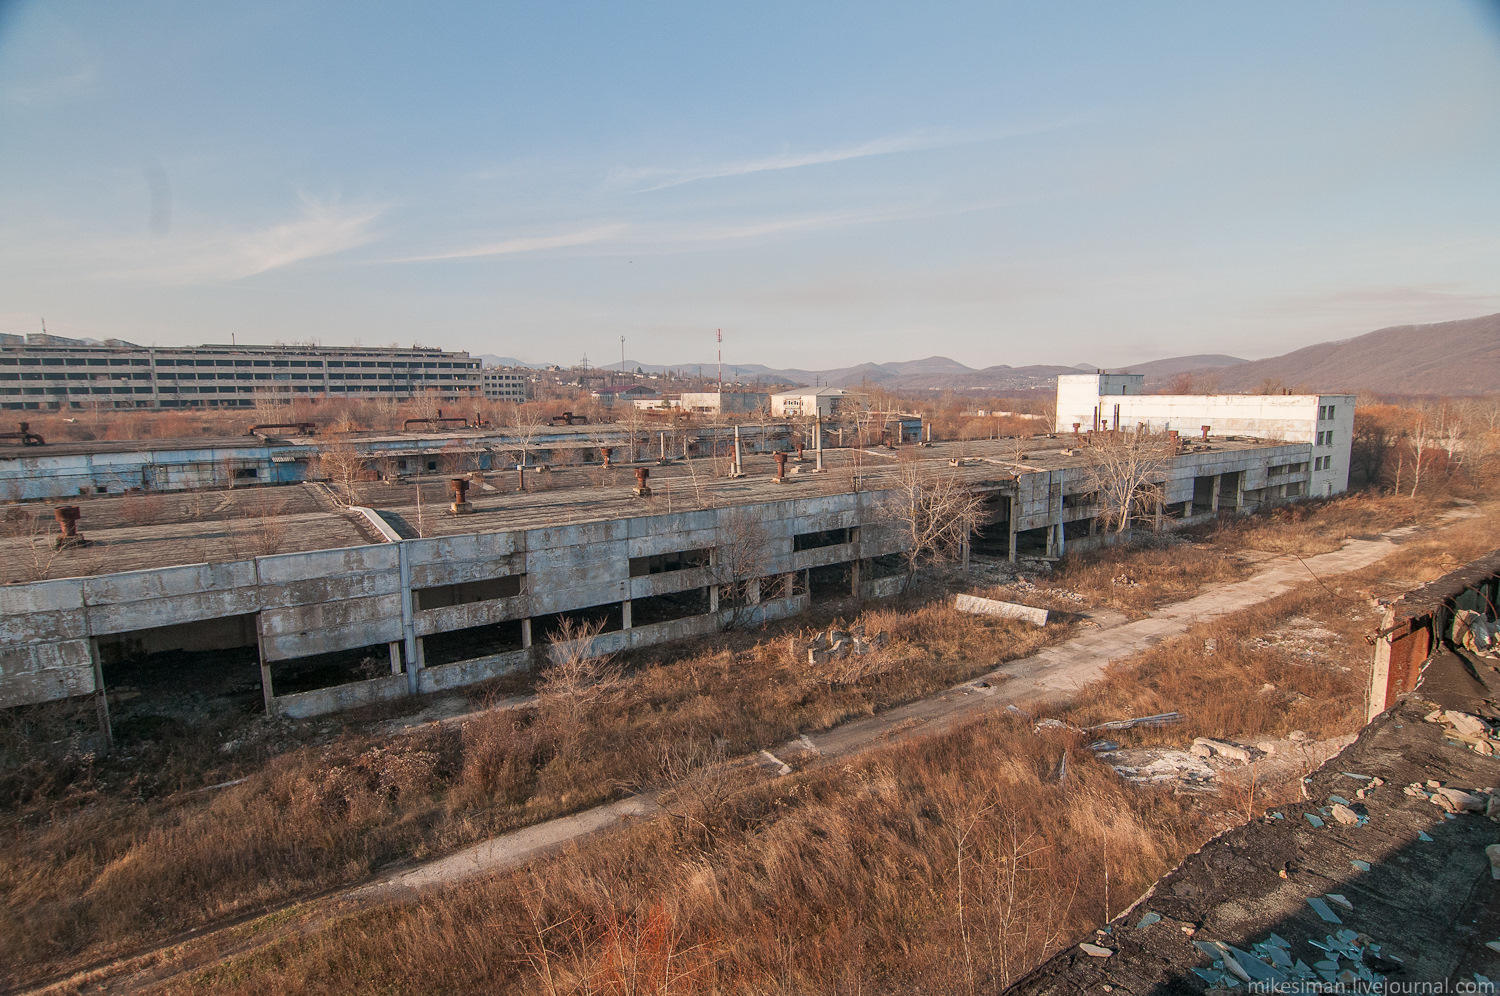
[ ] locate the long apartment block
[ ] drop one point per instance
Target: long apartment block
(48, 372)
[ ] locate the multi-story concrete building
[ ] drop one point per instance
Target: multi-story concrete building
(1089, 402)
(504, 385)
(53, 372)
(824, 402)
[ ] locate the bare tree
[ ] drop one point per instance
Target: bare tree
(739, 561)
(1125, 471)
(36, 549)
(526, 424)
(343, 464)
(1420, 434)
(934, 512)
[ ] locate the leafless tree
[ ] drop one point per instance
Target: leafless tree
(343, 464)
(525, 424)
(1126, 471)
(739, 562)
(934, 511)
(1420, 433)
(36, 549)
(1452, 432)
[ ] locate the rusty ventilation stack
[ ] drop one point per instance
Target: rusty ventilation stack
(641, 489)
(67, 523)
(459, 488)
(780, 456)
(1205, 429)
(606, 452)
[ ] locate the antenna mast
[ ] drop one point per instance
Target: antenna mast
(719, 337)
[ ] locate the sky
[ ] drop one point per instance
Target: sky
(829, 183)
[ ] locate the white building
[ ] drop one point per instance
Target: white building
(824, 401)
(1116, 401)
(504, 385)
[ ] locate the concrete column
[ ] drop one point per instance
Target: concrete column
(1015, 513)
(1218, 479)
(101, 696)
(818, 445)
(1051, 540)
(408, 622)
(1239, 491)
(1060, 545)
(526, 634)
(421, 663)
(752, 591)
(395, 648)
(267, 693)
(854, 577)
(713, 598)
(739, 457)
(625, 613)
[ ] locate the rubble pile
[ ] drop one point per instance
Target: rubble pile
(835, 644)
(1465, 728)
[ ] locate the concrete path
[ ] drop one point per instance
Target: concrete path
(1052, 675)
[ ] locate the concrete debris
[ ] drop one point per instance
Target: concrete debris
(1162, 765)
(1266, 747)
(837, 644)
(975, 605)
(774, 764)
(1345, 815)
(1211, 647)
(1458, 801)
(1095, 950)
(1124, 581)
(1467, 729)
(1160, 719)
(1231, 751)
(1297, 736)
(1201, 750)
(1476, 633)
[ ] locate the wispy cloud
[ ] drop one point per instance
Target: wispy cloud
(525, 244)
(646, 179)
(320, 229)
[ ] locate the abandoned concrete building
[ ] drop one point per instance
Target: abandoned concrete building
(1116, 401)
(396, 591)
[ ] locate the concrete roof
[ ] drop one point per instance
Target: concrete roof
(139, 531)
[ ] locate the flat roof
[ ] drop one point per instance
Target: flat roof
(145, 530)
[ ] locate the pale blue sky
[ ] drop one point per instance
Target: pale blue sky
(1001, 183)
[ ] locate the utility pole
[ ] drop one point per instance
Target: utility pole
(719, 336)
(622, 358)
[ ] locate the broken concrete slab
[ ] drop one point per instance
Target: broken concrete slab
(1003, 610)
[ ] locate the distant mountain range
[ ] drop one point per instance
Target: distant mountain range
(1461, 357)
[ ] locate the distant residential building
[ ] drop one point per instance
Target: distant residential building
(725, 402)
(1117, 401)
(53, 372)
(504, 385)
(824, 402)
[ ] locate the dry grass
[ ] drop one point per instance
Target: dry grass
(94, 869)
(948, 864)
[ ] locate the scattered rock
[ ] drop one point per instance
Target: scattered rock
(1461, 801)
(1345, 815)
(1201, 750)
(1297, 736)
(1493, 853)
(1266, 747)
(1094, 950)
(1469, 726)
